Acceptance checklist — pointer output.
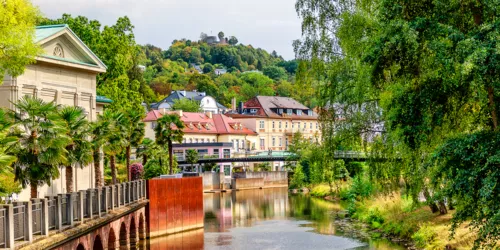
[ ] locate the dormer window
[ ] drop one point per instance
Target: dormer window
(310, 112)
(280, 111)
(299, 112)
(289, 111)
(253, 111)
(199, 126)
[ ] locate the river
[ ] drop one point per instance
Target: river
(271, 219)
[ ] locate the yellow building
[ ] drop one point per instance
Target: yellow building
(276, 119)
(64, 73)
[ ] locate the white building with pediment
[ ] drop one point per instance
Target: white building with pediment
(64, 73)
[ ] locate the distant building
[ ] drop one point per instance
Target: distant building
(211, 40)
(207, 103)
(220, 71)
(197, 67)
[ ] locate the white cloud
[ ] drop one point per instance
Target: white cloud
(268, 24)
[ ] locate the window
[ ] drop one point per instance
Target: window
(262, 143)
(279, 125)
(216, 152)
(310, 112)
(202, 152)
(184, 140)
(202, 140)
(316, 125)
(305, 125)
(242, 144)
(237, 143)
(280, 111)
(253, 111)
(311, 125)
(179, 154)
(153, 125)
(289, 111)
(298, 125)
(234, 145)
(227, 170)
(227, 153)
(286, 142)
(299, 112)
(273, 124)
(274, 141)
(293, 125)
(261, 125)
(286, 124)
(190, 140)
(213, 140)
(280, 142)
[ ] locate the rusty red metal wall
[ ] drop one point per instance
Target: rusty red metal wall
(175, 205)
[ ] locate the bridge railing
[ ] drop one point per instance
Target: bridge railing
(19, 221)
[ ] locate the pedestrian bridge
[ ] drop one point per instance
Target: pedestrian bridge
(276, 156)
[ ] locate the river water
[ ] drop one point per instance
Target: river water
(271, 219)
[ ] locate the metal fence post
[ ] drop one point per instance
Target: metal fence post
(45, 217)
(112, 193)
(98, 195)
(8, 225)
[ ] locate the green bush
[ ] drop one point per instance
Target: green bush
(354, 168)
(360, 188)
(299, 178)
(320, 191)
(153, 169)
(424, 236)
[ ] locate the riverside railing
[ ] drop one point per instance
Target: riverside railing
(21, 221)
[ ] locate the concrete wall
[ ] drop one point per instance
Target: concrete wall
(279, 178)
(247, 183)
(211, 180)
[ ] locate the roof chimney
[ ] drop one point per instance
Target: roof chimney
(233, 104)
(209, 114)
(180, 113)
(240, 108)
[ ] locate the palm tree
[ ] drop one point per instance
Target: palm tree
(80, 150)
(147, 149)
(114, 140)
(42, 142)
(168, 130)
(99, 131)
(6, 142)
(134, 133)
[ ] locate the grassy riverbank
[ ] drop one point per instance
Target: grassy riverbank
(400, 217)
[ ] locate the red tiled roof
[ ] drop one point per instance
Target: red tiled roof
(218, 124)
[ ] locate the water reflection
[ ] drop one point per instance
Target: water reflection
(268, 219)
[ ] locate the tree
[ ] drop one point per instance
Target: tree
(233, 40)
(168, 130)
(208, 68)
(153, 169)
(274, 72)
(203, 36)
(221, 36)
(18, 47)
(147, 149)
(186, 105)
(134, 133)
(42, 142)
(204, 83)
(192, 157)
(80, 148)
(114, 139)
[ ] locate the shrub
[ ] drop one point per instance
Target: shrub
(136, 171)
(153, 169)
(299, 178)
(424, 236)
(320, 190)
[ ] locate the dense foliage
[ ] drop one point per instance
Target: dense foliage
(422, 76)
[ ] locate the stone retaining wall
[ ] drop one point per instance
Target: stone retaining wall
(247, 183)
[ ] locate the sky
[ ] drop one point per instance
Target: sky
(267, 24)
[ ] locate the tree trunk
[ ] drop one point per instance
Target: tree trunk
(34, 190)
(69, 179)
(97, 170)
(450, 203)
(113, 168)
(144, 160)
(491, 102)
(432, 205)
(129, 177)
(170, 158)
(442, 207)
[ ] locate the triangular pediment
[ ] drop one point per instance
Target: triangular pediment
(61, 46)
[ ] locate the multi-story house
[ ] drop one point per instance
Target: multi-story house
(207, 103)
(210, 134)
(65, 73)
(276, 119)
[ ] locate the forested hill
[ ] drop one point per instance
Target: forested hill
(222, 68)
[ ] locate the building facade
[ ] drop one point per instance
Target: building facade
(207, 103)
(276, 120)
(64, 73)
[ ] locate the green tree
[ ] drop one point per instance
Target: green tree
(114, 140)
(147, 150)
(153, 169)
(274, 72)
(208, 68)
(80, 149)
(233, 40)
(221, 36)
(192, 157)
(17, 36)
(42, 142)
(134, 133)
(168, 130)
(204, 83)
(186, 105)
